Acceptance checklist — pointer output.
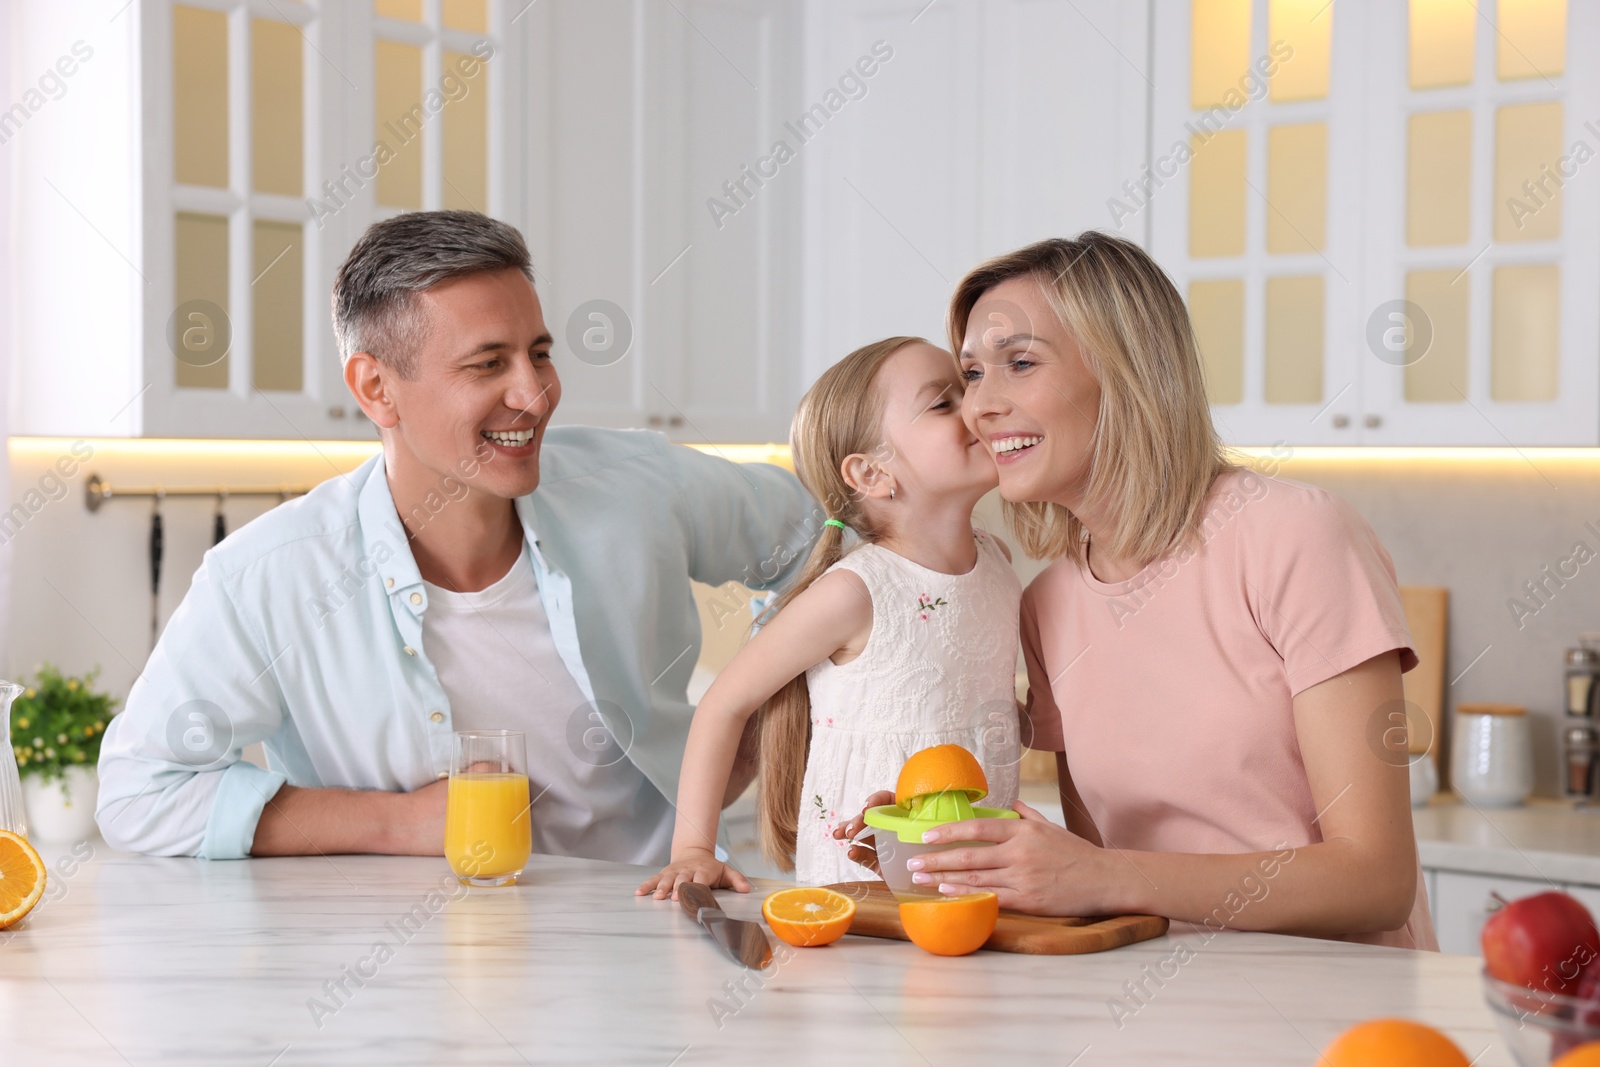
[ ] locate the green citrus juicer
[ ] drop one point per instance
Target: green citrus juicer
(910, 820)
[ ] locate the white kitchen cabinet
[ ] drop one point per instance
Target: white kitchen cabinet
(664, 229)
(757, 188)
(1461, 904)
(994, 124)
(1315, 166)
(189, 195)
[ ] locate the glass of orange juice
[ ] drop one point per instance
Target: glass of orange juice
(487, 829)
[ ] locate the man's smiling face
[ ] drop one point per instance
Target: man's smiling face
(483, 386)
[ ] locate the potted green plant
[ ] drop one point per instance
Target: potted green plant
(56, 727)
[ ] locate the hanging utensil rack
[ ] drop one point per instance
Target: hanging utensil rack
(97, 491)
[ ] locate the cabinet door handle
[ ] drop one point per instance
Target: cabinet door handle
(654, 420)
(676, 420)
(1374, 421)
(336, 412)
(1341, 421)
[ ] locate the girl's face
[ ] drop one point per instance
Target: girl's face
(1029, 395)
(930, 451)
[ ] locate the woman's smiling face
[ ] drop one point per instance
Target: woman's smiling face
(1030, 397)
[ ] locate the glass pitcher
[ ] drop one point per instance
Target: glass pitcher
(11, 817)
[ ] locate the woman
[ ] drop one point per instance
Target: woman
(1211, 650)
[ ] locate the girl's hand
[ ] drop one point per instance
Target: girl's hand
(1034, 866)
(693, 865)
(864, 853)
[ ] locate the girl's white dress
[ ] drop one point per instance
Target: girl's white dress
(939, 667)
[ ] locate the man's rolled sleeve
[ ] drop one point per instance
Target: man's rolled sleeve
(242, 795)
(171, 780)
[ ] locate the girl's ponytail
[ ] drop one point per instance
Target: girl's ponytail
(839, 417)
(784, 728)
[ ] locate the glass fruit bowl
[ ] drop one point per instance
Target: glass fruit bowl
(1540, 1027)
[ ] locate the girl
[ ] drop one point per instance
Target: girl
(1214, 653)
(907, 639)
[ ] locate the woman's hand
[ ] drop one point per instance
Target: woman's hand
(1034, 866)
(864, 853)
(693, 865)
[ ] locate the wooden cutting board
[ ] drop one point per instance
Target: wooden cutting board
(1427, 616)
(878, 915)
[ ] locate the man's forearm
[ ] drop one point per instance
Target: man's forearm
(302, 822)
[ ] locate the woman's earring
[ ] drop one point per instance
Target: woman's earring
(891, 492)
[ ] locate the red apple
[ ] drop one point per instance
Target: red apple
(1543, 942)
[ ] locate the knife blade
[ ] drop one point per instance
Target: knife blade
(744, 942)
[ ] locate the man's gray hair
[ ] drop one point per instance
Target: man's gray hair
(374, 295)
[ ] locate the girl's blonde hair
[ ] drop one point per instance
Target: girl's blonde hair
(1155, 451)
(840, 416)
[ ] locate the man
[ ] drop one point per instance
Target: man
(481, 573)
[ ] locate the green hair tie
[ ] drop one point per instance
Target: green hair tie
(836, 522)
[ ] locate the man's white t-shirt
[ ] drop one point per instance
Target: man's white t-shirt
(498, 663)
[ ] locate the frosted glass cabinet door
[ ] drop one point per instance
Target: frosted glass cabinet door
(1380, 216)
(1255, 125)
(229, 252)
(1483, 257)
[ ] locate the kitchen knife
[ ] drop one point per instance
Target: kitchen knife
(744, 941)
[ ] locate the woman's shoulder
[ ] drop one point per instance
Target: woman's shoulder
(1049, 585)
(1267, 505)
(1280, 526)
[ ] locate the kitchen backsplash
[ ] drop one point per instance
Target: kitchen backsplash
(1516, 541)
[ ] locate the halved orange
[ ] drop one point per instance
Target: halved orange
(22, 875)
(1392, 1043)
(940, 769)
(1586, 1055)
(950, 926)
(808, 916)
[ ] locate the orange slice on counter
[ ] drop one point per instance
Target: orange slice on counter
(950, 926)
(22, 875)
(1392, 1043)
(940, 769)
(809, 916)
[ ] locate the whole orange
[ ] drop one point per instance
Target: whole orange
(1583, 1056)
(941, 768)
(808, 916)
(1392, 1043)
(950, 926)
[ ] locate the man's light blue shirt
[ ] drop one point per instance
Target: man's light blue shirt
(303, 631)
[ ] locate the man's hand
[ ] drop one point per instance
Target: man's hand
(421, 831)
(692, 865)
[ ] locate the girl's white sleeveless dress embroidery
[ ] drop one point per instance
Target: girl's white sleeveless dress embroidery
(939, 667)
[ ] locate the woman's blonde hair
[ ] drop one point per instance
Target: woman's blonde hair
(1155, 451)
(840, 416)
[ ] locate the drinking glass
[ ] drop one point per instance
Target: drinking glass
(488, 832)
(11, 815)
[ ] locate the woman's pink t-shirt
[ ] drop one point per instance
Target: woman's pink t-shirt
(1172, 693)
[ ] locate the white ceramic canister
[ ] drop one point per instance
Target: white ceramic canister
(1491, 755)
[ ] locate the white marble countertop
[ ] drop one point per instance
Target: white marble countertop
(136, 960)
(1547, 840)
